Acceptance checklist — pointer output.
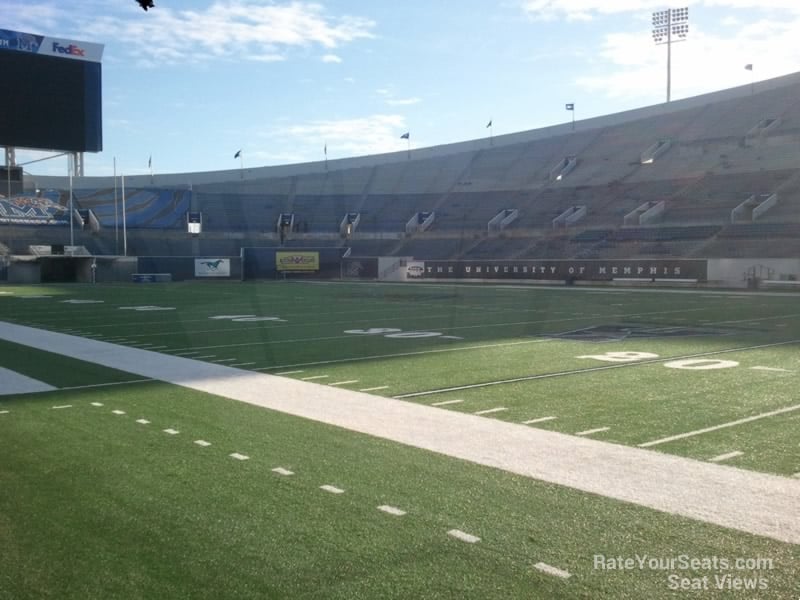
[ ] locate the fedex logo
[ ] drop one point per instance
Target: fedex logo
(72, 49)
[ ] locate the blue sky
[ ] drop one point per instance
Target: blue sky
(191, 82)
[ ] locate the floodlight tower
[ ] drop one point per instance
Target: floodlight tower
(667, 25)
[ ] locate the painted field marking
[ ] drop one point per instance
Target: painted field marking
(238, 456)
(118, 412)
(4, 412)
(224, 360)
(446, 402)
(282, 471)
(392, 510)
(332, 489)
(143, 421)
(550, 570)
(315, 377)
(489, 411)
(290, 372)
(187, 353)
(796, 475)
(725, 456)
(773, 369)
(375, 389)
(202, 357)
(99, 385)
(590, 370)
(344, 382)
(591, 431)
(202, 443)
(539, 420)
(157, 347)
(681, 436)
(62, 406)
(464, 537)
(171, 431)
(97, 404)
(246, 364)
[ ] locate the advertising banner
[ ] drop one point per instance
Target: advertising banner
(212, 267)
(562, 270)
(297, 261)
(50, 46)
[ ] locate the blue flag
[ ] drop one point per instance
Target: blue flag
(406, 135)
(570, 107)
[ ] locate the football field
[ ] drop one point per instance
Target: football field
(127, 485)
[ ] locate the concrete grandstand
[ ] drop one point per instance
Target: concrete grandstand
(714, 176)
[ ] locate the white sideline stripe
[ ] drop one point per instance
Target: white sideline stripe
(12, 382)
(118, 412)
(681, 436)
(191, 353)
(774, 369)
(62, 406)
(143, 421)
(550, 570)
(539, 420)
(99, 385)
(375, 389)
(224, 360)
(4, 412)
(464, 537)
(97, 404)
(332, 489)
(591, 431)
(315, 377)
(282, 471)
(171, 431)
(748, 501)
(202, 443)
(591, 369)
(238, 456)
(202, 357)
(344, 382)
(726, 456)
(446, 402)
(247, 364)
(489, 411)
(392, 510)
(290, 372)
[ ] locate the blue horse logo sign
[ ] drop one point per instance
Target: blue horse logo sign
(212, 267)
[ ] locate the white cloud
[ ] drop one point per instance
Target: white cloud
(403, 101)
(331, 58)
(225, 29)
(589, 9)
(349, 137)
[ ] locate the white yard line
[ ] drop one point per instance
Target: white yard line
(592, 431)
(757, 503)
(447, 402)
(290, 372)
(332, 489)
(349, 381)
(771, 369)
(550, 570)
(681, 436)
(392, 510)
(490, 411)
(539, 420)
(313, 377)
(726, 456)
(375, 389)
(464, 537)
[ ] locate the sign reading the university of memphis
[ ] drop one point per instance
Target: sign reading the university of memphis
(212, 267)
(297, 261)
(590, 270)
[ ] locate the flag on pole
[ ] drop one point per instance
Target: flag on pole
(238, 154)
(748, 67)
(150, 162)
(570, 107)
(326, 148)
(406, 136)
(489, 124)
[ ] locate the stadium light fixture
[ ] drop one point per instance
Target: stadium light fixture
(669, 26)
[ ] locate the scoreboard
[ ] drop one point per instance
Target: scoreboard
(51, 97)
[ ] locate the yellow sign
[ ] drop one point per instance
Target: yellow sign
(297, 261)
